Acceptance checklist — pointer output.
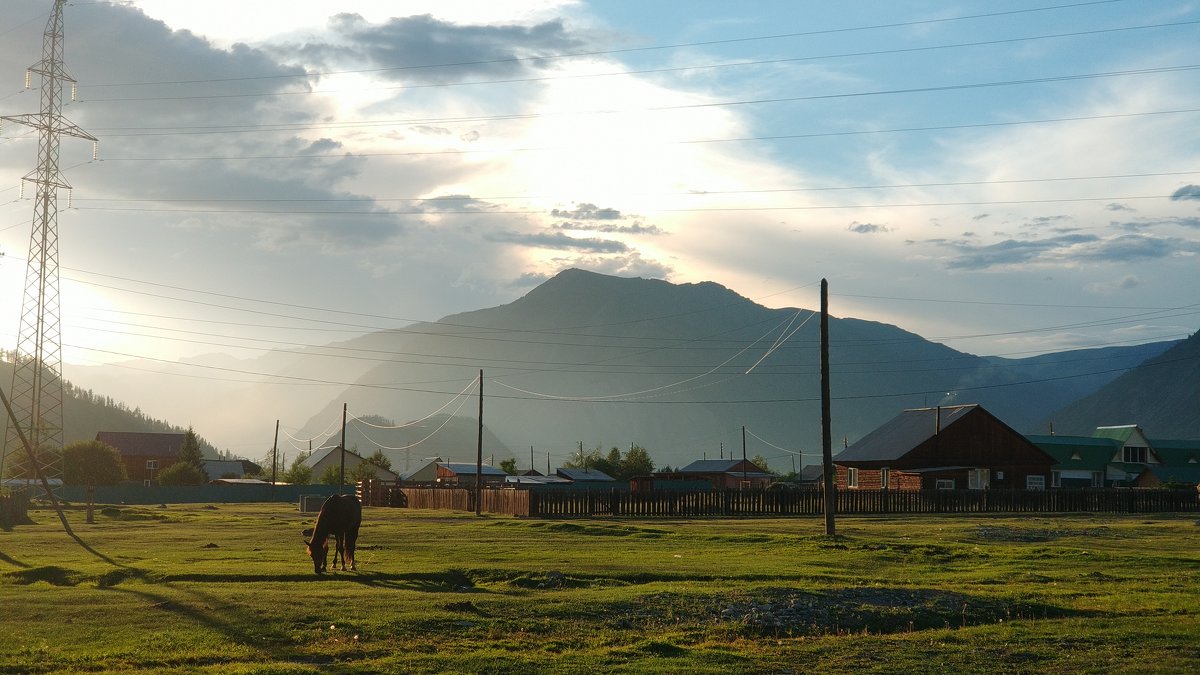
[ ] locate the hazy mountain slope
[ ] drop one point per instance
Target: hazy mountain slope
(608, 361)
(1162, 395)
(85, 413)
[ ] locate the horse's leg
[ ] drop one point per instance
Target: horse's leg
(351, 539)
(341, 551)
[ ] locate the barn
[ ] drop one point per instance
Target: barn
(951, 448)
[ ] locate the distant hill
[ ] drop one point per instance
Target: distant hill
(608, 361)
(1161, 395)
(86, 413)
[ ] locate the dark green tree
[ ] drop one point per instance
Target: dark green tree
(189, 451)
(509, 466)
(182, 473)
(92, 462)
(380, 460)
(636, 462)
(298, 473)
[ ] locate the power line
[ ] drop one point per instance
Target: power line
(648, 71)
(627, 50)
(740, 139)
(114, 132)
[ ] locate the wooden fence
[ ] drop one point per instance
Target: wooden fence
(746, 503)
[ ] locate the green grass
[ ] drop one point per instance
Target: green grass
(227, 589)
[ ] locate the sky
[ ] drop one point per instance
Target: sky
(1008, 178)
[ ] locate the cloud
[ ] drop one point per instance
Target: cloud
(631, 265)
(557, 240)
(1067, 250)
(410, 48)
(868, 228)
(1186, 192)
(1119, 207)
(1125, 283)
(611, 228)
(587, 212)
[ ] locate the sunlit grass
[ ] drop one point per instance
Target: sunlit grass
(227, 589)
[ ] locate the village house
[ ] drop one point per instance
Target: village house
(145, 454)
(721, 474)
(950, 448)
(1121, 456)
(322, 459)
(463, 474)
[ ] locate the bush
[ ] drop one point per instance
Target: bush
(182, 473)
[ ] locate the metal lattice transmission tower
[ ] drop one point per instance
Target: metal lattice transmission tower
(37, 386)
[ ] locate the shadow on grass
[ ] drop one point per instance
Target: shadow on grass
(12, 561)
(452, 581)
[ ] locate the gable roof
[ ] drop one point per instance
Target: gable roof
(1176, 474)
(1122, 432)
(215, 468)
(578, 475)
(901, 434)
(1177, 453)
(143, 443)
(1078, 452)
(467, 469)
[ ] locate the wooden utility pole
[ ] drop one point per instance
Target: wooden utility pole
(342, 448)
(743, 456)
(826, 432)
(274, 457)
(479, 454)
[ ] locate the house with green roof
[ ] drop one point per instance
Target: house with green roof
(1120, 456)
(1080, 461)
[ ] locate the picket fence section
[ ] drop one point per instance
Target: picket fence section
(747, 503)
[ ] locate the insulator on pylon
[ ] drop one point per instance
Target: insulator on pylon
(28, 79)
(21, 192)
(74, 90)
(95, 150)
(69, 194)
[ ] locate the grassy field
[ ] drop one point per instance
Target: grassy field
(227, 589)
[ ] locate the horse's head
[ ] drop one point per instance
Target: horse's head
(319, 553)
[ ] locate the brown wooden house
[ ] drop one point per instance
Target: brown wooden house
(952, 448)
(145, 454)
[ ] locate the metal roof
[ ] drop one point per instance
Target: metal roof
(900, 435)
(464, 468)
(584, 475)
(142, 443)
(1078, 452)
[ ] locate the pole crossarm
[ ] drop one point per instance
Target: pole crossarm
(56, 124)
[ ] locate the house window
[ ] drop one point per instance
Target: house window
(1056, 479)
(148, 482)
(1035, 482)
(1135, 454)
(945, 483)
(152, 464)
(977, 479)
(852, 477)
(1097, 479)
(885, 478)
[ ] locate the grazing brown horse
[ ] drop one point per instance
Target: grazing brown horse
(340, 516)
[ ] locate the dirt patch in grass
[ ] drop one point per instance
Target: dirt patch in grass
(876, 610)
(1035, 534)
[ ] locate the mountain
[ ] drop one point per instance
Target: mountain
(85, 413)
(679, 369)
(1161, 395)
